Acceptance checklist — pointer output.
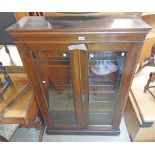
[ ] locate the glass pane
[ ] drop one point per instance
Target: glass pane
(105, 71)
(61, 100)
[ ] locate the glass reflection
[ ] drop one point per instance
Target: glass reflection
(105, 71)
(61, 98)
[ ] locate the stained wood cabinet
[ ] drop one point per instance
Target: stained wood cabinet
(80, 68)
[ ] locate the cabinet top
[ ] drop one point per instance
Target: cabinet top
(111, 24)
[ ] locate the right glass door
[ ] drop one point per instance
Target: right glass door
(105, 72)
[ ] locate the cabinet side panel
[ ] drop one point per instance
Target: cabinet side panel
(131, 120)
(34, 78)
(130, 66)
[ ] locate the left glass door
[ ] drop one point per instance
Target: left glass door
(55, 68)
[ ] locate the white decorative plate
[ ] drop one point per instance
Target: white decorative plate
(104, 67)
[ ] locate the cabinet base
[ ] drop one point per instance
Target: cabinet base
(82, 132)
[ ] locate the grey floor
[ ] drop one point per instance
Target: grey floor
(32, 135)
(26, 135)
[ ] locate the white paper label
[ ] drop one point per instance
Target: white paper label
(81, 38)
(77, 46)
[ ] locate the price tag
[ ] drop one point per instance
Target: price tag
(81, 38)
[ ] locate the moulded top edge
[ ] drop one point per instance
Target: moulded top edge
(110, 24)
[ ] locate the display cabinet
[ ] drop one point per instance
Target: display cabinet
(81, 69)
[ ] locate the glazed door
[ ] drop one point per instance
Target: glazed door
(85, 85)
(58, 70)
(102, 69)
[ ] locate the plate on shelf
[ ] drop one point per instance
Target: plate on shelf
(104, 67)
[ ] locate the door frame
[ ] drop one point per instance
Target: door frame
(79, 59)
(133, 52)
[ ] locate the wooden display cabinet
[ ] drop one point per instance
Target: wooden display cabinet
(80, 68)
